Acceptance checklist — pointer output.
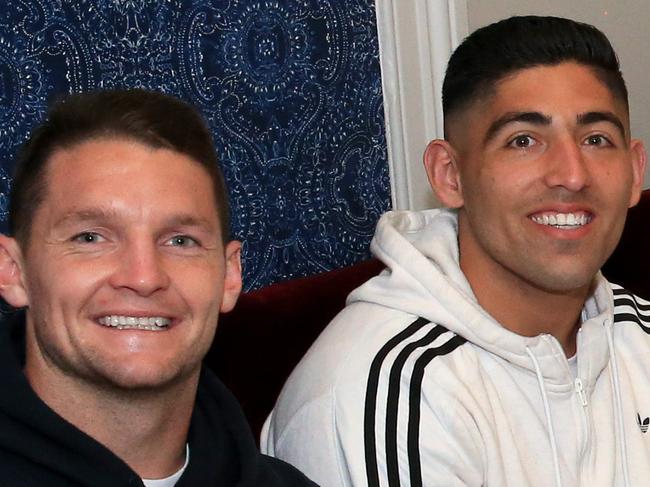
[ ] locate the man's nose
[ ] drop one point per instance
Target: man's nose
(568, 166)
(140, 269)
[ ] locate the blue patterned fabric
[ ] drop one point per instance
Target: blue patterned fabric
(290, 88)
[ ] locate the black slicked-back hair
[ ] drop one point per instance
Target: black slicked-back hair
(154, 119)
(495, 51)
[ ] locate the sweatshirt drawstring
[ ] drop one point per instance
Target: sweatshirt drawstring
(618, 401)
(549, 419)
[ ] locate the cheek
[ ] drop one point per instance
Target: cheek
(486, 198)
(39, 283)
(201, 286)
(614, 186)
(64, 285)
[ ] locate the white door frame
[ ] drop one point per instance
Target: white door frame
(416, 38)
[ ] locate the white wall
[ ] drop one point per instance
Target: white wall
(625, 22)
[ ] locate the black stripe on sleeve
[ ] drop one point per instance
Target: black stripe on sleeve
(415, 392)
(372, 470)
(626, 298)
(393, 400)
(620, 317)
(620, 291)
(631, 300)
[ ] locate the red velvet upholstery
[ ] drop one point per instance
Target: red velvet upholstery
(258, 343)
(629, 265)
(263, 338)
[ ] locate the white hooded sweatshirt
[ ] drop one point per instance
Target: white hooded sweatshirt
(414, 384)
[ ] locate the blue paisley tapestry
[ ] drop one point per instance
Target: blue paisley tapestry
(290, 88)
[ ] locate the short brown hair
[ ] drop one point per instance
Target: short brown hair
(151, 118)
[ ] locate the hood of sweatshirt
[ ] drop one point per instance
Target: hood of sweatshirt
(423, 278)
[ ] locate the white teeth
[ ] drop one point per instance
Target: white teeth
(562, 220)
(152, 323)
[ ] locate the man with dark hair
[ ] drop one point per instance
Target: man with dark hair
(120, 263)
(492, 351)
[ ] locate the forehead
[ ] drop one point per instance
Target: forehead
(561, 91)
(129, 178)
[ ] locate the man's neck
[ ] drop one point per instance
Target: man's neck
(147, 430)
(525, 309)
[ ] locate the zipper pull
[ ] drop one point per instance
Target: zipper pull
(581, 392)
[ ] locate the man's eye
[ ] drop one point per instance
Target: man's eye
(182, 241)
(88, 238)
(598, 140)
(522, 142)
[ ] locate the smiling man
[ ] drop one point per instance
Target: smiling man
(492, 351)
(121, 262)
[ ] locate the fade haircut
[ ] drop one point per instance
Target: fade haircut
(156, 120)
(496, 51)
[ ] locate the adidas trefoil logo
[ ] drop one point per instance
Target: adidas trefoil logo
(643, 425)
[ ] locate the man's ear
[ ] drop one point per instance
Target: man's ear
(232, 280)
(639, 159)
(442, 171)
(12, 287)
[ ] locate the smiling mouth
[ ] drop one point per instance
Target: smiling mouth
(149, 323)
(566, 221)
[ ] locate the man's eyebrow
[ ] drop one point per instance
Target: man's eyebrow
(85, 215)
(589, 118)
(187, 220)
(536, 118)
